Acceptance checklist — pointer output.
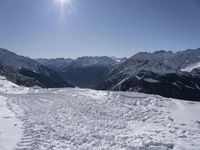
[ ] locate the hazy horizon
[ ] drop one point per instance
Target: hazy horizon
(75, 28)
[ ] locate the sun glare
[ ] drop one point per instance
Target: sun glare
(62, 3)
(64, 6)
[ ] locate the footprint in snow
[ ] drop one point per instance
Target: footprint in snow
(170, 118)
(183, 124)
(6, 117)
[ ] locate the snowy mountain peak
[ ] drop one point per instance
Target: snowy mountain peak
(93, 61)
(162, 62)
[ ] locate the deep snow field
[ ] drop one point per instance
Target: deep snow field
(83, 119)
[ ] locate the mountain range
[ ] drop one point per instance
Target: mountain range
(84, 72)
(28, 72)
(165, 73)
(169, 74)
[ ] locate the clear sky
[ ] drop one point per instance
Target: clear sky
(46, 28)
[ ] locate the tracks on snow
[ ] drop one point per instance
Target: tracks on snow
(87, 119)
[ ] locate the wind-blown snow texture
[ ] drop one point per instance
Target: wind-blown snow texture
(61, 119)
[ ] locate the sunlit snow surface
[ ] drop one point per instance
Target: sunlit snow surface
(62, 119)
(191, 67)
(10, 127)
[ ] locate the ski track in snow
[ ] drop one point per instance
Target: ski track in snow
(81, 119)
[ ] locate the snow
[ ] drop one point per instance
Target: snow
(197, 87)
(160, 62)
(186, 112)
(191, 67)
(10, 127)
(9, 87)
(120, 83)
(62, 119)
(88, 61)
(118, 60)
(151, 80)
(174, 83)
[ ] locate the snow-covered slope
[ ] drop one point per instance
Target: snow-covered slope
(189, 58)
(9, 87)
(10, 126)
(191, 67)
(87, 119)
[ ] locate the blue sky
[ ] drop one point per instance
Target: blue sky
(42, 28)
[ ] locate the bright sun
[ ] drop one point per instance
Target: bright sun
(64, 6)
(62, 2)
